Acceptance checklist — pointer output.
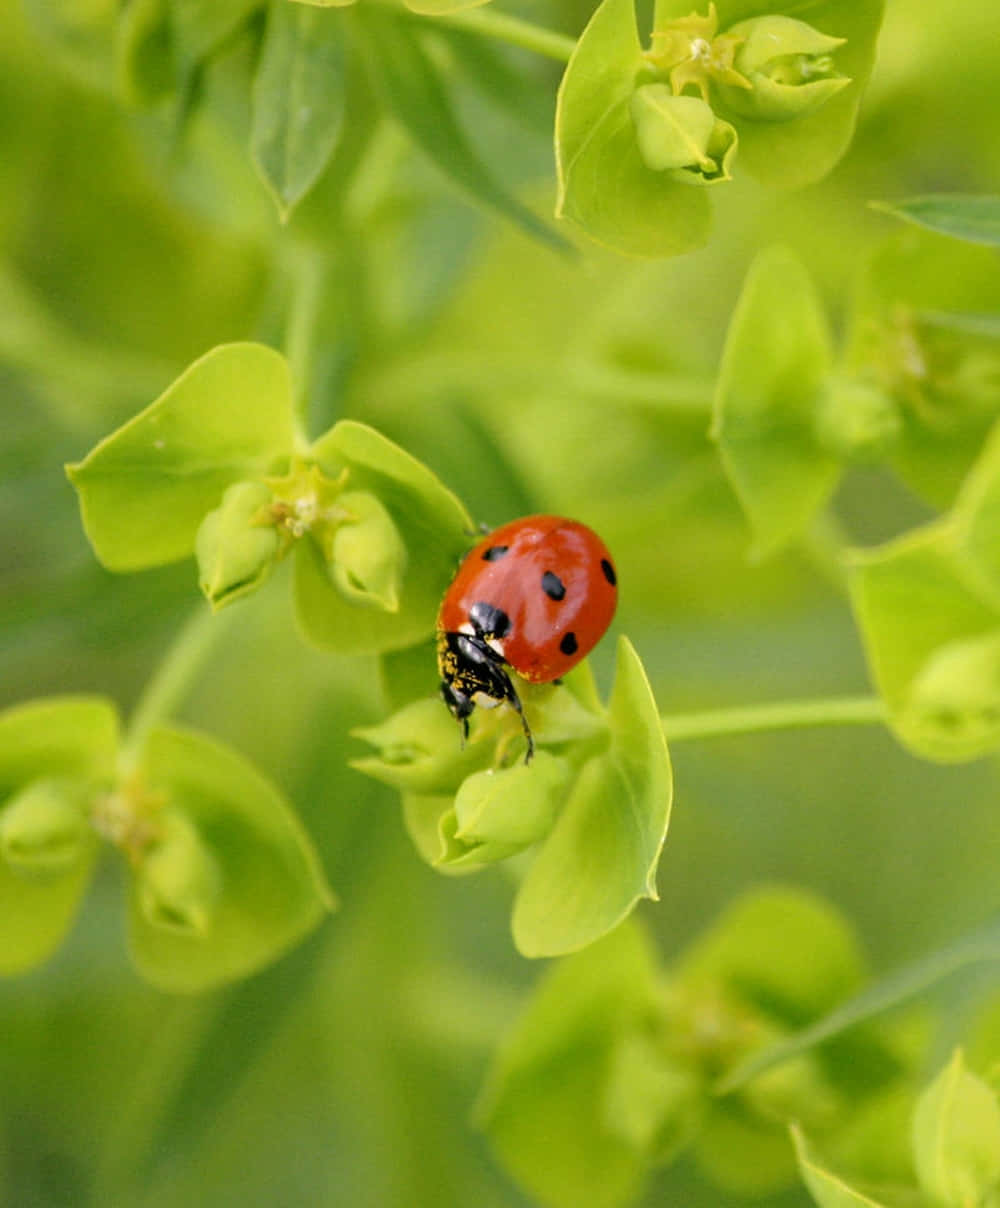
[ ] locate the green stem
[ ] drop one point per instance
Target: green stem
(172, 679)
(492, 24)
(782, 715)
(308, 271)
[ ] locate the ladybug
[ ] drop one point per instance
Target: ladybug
(533, 597)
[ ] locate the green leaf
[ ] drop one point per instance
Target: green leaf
(931, 641)
(144, 60)
(200, 28)
(774, 364)
(430, 522)
(145, 489)
(976, 520)
(971, 217)
(794, 153)
(828, 1189)
(602, 853)
(604, 184)
(889, 992)
(411, 89)
(956, 1137)
(543, 1104)
(917, 328)
(238, 881)
(74, 739)
(654, 1104)
(298, 100)
(784, 951)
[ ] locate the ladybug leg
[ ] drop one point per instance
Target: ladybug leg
(515, 702)
(460, 706)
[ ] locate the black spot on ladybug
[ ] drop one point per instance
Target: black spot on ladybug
(495, 553)
(552, 585)
(609, 571)
(488, 620)
(568, 643)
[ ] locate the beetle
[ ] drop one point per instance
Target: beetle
(531, 599)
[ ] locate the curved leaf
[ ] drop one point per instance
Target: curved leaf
(777, 356)
(434, 528)
(270, 889)
(601, 855)
(145, 489)
(71, 737)
(604, 185)
(298, 100)
(543, 1102)
(412, 90)
(971, 217)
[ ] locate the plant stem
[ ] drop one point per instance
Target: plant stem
(492, 24)
(782, 715)
(172, 679)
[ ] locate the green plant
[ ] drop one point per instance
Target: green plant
(318, 237)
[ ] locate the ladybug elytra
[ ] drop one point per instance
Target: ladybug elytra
(533, 597)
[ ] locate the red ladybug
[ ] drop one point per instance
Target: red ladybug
(534, 597)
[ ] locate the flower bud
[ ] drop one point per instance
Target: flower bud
(367, 557)
(43, 830)
(177, 880)
(236, 544)
(682, 135)
(418, 750)
(502, 811)
(957, 691)
(788, 65)
(856, 420)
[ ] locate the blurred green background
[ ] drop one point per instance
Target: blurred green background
(527, 380)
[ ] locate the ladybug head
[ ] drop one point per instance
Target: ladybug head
(472, 673)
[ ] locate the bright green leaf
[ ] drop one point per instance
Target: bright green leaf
(776, 359)
(239, 882)
(956, 1137)
(410, 86)
(602, 853)
(145, 489)
(930, 641)
(298, 99)
(827, 1188)
(604, 184)
(74, 739)
(37, 913)
(543, 1105)
(431, 524)
(784, 951)
(67, 736)
(971, 217)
